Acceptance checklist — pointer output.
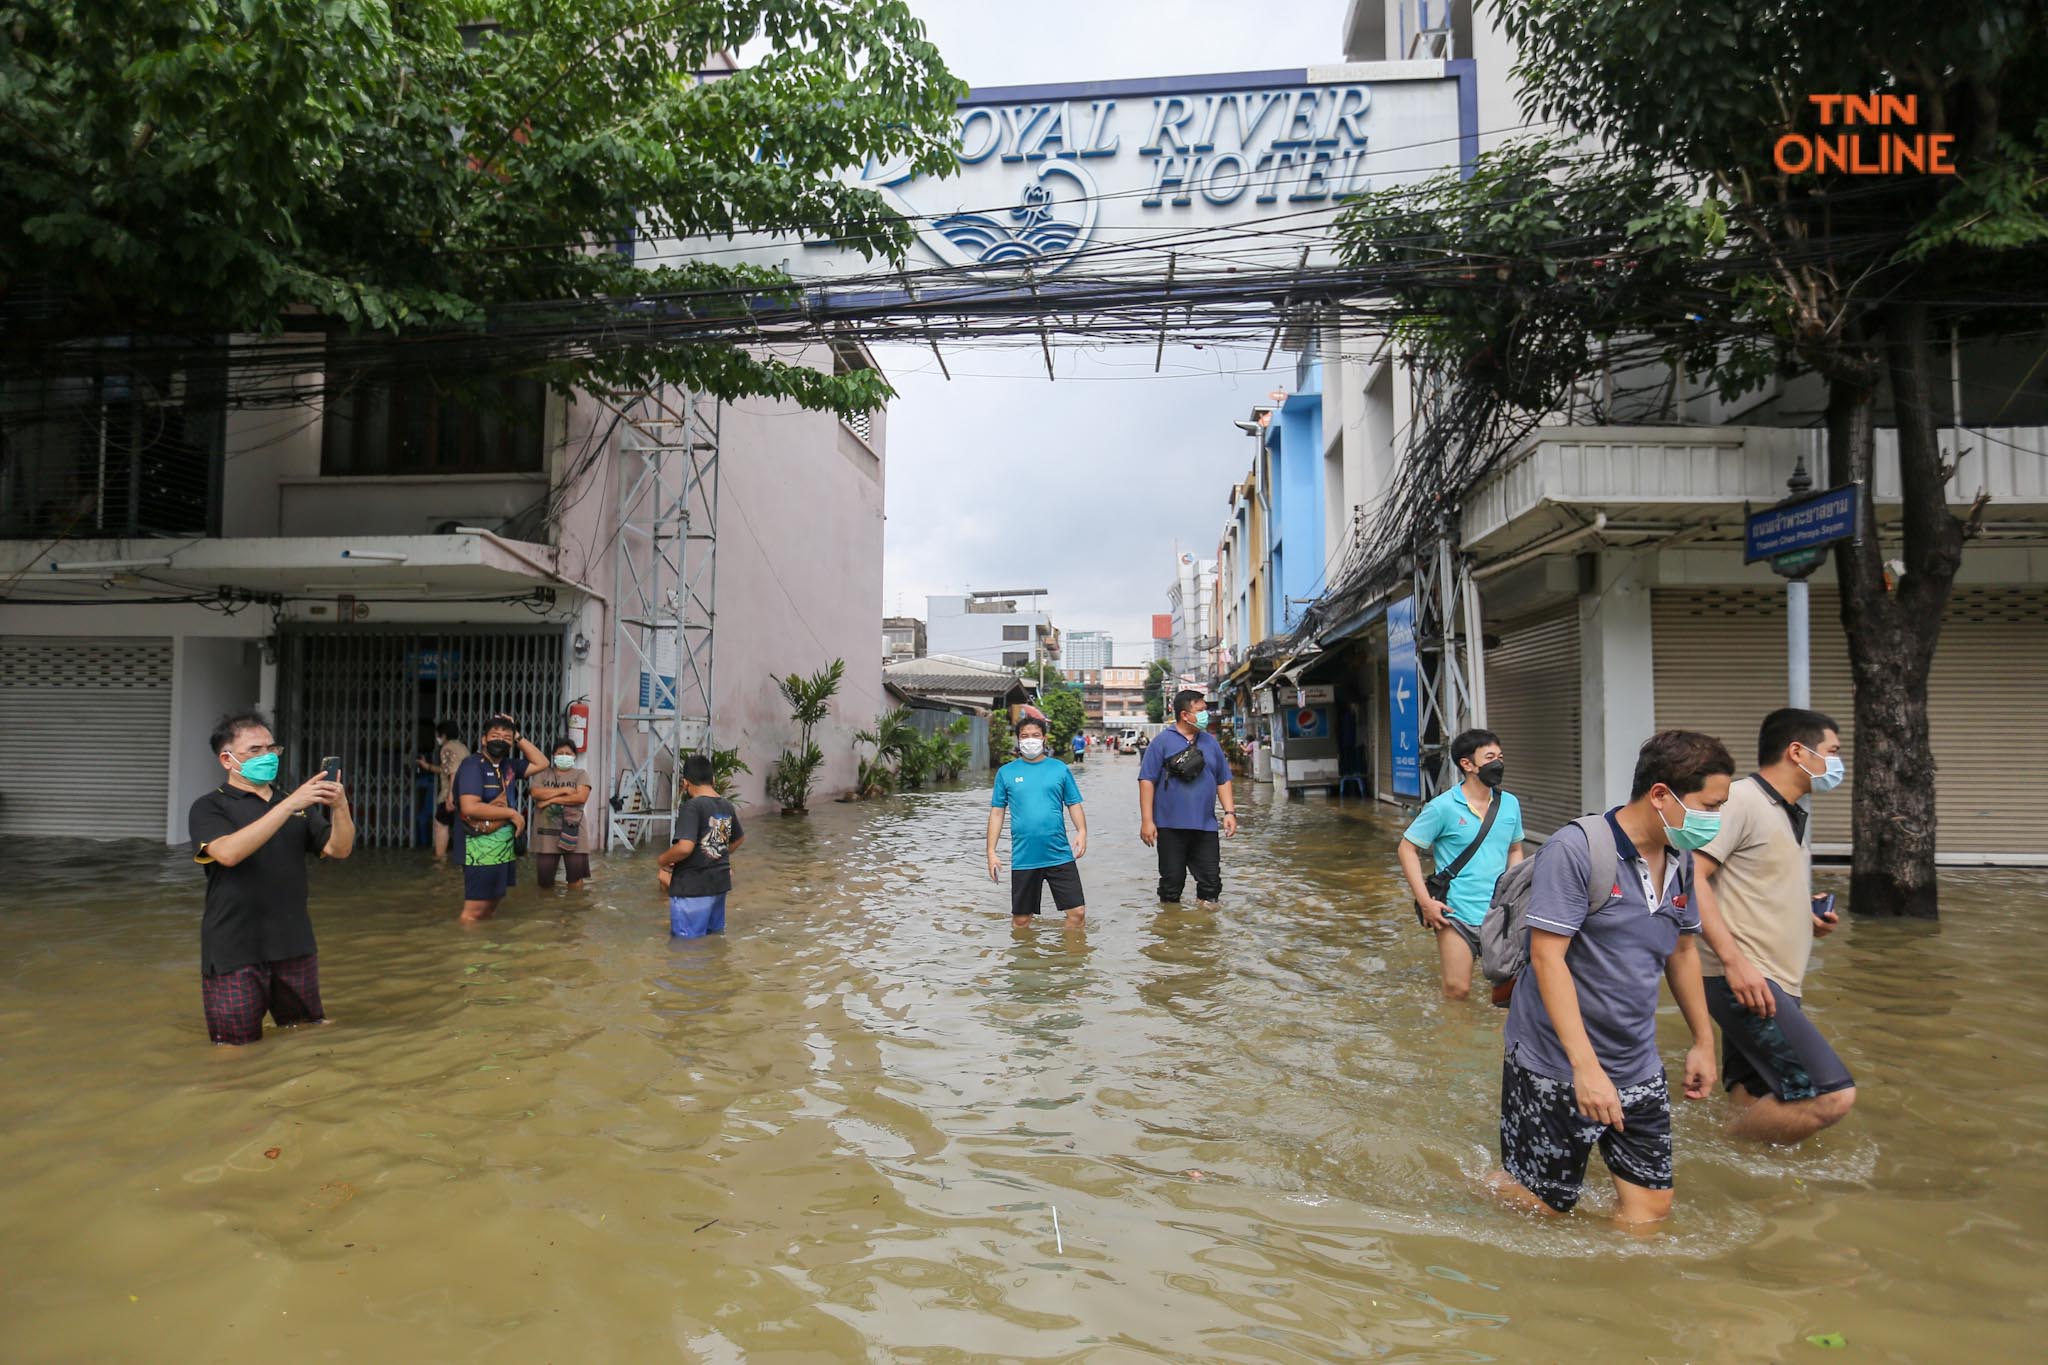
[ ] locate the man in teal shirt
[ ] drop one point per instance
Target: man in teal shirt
(1038, 792)
(1446, 827)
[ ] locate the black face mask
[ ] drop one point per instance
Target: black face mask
(499, 750)
(1492, 773)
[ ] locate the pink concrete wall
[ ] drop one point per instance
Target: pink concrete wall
(799, 576)
(799, 579)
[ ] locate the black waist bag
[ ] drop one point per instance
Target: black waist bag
(1188, 765)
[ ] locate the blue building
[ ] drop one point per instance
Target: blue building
(1296, 555)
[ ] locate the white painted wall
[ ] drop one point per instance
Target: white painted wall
(952, 629)
(210, 677)
(1617, 679)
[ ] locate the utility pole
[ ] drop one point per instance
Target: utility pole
(1798, 636)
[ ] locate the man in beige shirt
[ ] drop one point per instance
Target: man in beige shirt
(446, 760)
(1786, 1082)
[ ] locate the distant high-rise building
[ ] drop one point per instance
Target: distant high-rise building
(1086, 649)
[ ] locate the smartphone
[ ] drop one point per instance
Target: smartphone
(330, 768)
(1823, 905)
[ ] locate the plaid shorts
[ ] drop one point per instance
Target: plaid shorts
(236, 1001)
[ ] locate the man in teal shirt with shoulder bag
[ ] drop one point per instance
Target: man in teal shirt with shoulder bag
(1038, 792)
(1473, 833)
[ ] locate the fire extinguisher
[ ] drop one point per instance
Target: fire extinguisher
(579, 725)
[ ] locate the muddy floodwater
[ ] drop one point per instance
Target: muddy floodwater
(842, 1132)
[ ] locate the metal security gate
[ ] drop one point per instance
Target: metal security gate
(1533, 704)
(1719, 658)
(371, 697)
(68, 708)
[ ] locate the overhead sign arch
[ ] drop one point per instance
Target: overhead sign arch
(1115, 176)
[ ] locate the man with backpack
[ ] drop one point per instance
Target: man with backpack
(1609, 907)
(1473, 833)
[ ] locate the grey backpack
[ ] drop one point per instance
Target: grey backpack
(1504, 934)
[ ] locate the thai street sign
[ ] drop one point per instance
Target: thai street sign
(1805, 523)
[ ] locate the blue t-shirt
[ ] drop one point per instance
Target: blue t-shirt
(1446, 825)
(1616, 957)
(1037, 795)
(1177, 804)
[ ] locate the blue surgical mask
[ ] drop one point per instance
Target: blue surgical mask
(1829, 777)
(1698, 831)
(1201, 720)
(261, 770)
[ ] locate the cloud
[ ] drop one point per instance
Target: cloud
(1002, 478)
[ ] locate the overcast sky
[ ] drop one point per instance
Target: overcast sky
(1003, 479)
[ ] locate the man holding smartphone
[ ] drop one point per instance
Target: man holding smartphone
(256, 948)
(1786, 1082)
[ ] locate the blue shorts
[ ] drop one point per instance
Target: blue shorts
(489, 882)
(696, 916)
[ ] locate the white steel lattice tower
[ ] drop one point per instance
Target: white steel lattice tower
(663, 616)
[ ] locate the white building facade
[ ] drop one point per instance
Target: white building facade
(1611, 592)
(364, 568)
(991, 628)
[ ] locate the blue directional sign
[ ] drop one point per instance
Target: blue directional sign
(1404, 701)
(1806, 524)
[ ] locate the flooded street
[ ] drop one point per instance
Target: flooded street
(842, 1131)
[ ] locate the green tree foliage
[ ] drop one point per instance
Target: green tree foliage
(361, 166)
(1156, 675)
(893, 736)
(726, 767)
(1001, 743)
(1066, 714)
(796, 770)
(1677, 234)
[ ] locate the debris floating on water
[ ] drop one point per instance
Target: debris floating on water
(273, 1152)
(1058, 1243)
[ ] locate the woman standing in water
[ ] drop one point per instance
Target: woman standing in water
(559, 792)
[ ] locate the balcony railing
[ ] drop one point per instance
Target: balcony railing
(110, 456)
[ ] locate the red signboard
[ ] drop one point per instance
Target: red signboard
(1162, 627)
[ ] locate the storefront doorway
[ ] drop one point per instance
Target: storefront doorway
(371, 697)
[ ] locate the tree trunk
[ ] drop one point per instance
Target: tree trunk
(1892, 629)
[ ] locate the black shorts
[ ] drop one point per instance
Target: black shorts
(1784, 1056)
(1466, 932)
(1545, 1140)
(1027, 883)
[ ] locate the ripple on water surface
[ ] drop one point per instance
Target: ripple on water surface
(844, 1130)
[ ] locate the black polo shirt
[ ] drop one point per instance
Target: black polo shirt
(255, 910)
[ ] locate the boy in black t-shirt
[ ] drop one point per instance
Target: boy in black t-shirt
(696, 871)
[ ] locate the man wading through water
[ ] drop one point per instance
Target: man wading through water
(256, 946)
(1183, 776)
(1582, 1067)
(1038, 792)
(489, 809)
(1474, 833)
(1786, 1082)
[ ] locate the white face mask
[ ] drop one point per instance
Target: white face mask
(1031, 746)
(565, 761)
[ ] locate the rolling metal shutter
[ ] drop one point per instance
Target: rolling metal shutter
(1720, 667)
(68, 707)
(1533, 704)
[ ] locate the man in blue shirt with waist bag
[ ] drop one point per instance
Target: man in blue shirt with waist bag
(1177, 807)
(1038, 792)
